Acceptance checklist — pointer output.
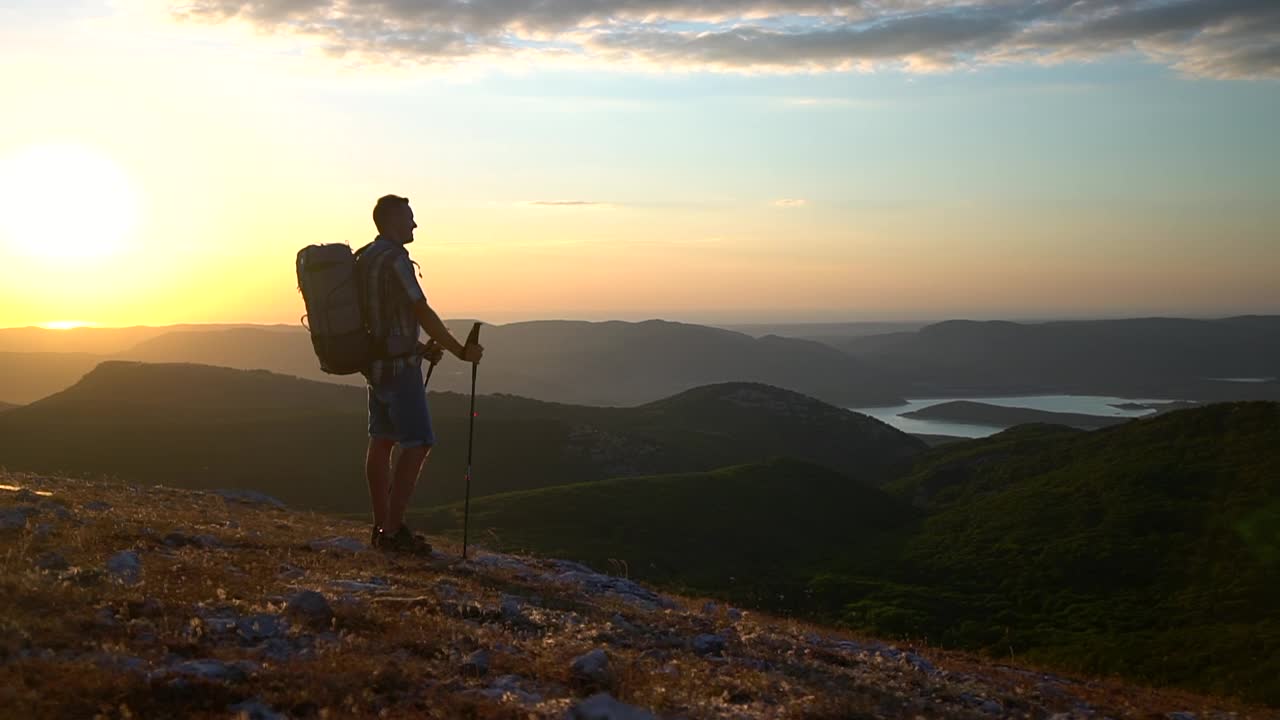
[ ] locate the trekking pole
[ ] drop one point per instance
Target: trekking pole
(472, 339)
(430, 368)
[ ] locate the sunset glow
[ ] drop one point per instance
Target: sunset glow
(730, 163)
(65, 202)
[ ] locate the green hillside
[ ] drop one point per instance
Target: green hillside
(1150, 550)
(201, 427)
(739, 530)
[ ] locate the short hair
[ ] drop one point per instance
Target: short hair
(386, 207)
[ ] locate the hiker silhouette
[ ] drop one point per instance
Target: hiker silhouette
(395, 308)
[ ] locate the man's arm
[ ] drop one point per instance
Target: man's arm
(437, 331)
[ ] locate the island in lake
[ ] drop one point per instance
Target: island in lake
(1157, 406)
(976, 413)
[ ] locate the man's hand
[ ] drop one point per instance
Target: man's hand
(472, 353)
(433, 352)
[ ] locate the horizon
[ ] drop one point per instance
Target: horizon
(752, 162)
(65, 325)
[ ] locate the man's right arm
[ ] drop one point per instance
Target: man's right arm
(436, 330)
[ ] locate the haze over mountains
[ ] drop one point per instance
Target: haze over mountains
(611, 363)
(618, 363)
(1154, 357)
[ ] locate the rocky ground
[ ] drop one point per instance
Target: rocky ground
(127, 602)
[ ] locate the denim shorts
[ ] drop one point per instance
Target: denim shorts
(398, 410)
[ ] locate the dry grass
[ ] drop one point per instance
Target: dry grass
(75, 643)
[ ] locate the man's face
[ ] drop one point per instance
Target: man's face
(399, 227)
(404, 225)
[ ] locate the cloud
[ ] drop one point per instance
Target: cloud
(566, 204)
(1207, 38)
(790, 203)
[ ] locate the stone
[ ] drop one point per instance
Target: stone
(125, 566)
(289, 571)
(1181, 715)
(179, 540)
(311, 608)
(507, 689)
(57, 509)
(26, 496)
(121, 663)
(142, 631)
(565, 566)
(211, 670)
(97, 506)
(512, 608)
(604, 707)
(256, 628)
(476, 664)
(51, 561)
(620, 588)
(706, 644)
(357, 586)
(592, 669)
(254, 709)
(919, 663)
(105, 617)
(249, 497)
(991, 707)
(15, 518)
(338, 545)
(501, 562)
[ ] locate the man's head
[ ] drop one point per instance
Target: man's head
(394, 219)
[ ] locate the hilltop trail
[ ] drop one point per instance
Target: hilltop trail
(123, 601)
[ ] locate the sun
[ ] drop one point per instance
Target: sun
(65, 202)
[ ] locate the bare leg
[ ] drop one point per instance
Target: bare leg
(377, 470)
(406, 478)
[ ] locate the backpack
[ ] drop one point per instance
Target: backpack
(331, 291)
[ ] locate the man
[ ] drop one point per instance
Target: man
(395, 308)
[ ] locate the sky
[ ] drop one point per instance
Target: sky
(707, 160)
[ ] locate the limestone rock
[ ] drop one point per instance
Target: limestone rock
(337, 545)
(125, 566)
(311, 608)
(15, 518)
(605, 707)
(249, 497)
(254, 709)
(592, 669)
(51, 561)
(708, 644)
(476, 664)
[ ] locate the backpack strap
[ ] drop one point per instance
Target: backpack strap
(373, 267)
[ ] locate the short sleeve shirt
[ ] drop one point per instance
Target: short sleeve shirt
(391, 290)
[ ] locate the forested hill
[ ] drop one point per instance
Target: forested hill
(1150, 549)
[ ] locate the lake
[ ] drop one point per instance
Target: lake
(1087, 404)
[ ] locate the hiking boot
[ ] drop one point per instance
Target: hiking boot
(406, 541)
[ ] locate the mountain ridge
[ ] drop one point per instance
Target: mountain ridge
(157, 422)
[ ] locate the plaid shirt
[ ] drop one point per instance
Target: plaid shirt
(390, 291)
